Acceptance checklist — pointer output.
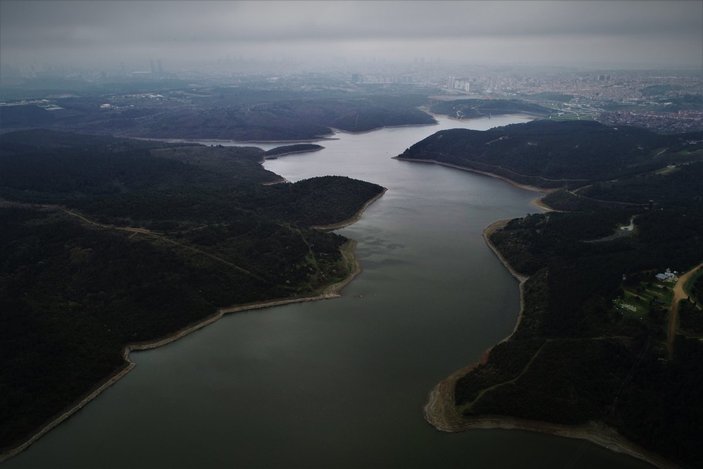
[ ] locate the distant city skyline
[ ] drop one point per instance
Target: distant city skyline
(619, 34)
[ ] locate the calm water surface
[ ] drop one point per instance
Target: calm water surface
(338, 383)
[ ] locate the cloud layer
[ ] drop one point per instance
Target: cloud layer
(666, 33)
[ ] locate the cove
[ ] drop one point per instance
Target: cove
(338, 383)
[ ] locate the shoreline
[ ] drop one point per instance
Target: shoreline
(294, 152)
(334, 290)
(536, 202)
(526, 187)
(487, 232)
(354, 218)
(399, 126)
(230, 142)
(593, 432)
(539, 203)
(440, 410)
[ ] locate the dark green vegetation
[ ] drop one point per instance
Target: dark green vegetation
(671, 186)
(557, 154)
(578, 355)
(471, 108)
(236, 113)
(157, 185)
(598, 362)
(691, 310)
(292, 149)
(108, 241)
(643, 296)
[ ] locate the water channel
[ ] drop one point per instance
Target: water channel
(338, 383)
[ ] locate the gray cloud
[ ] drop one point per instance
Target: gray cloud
(634, 30)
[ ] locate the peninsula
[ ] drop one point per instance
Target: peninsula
(292, 149)
(111, 245)
(253, 113)
(598, 352)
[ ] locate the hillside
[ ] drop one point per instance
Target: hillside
(241, 114)
(472, 108)
(108, 242)
(599, 339)
(555, 154)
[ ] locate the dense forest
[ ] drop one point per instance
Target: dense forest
(558, 154)
(577, 356)
(231, 113)
(155, 184)
(110, 241)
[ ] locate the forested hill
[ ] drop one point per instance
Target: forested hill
(231, 114)
(600, 338)
(554, 154)
(472, 108)
(107, 242)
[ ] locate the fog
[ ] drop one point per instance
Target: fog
(626, 34)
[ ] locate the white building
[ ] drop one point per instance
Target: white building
(667, 276)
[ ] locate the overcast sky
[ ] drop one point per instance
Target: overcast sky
(620, 33)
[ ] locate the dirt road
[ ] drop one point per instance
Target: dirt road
(679, 294)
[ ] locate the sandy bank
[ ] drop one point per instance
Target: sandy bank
(368, 131)
(487, 233)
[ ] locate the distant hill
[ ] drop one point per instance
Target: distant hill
(554, 154)
(292, 149)
(240, 114)
(149, 181)
(598, 339)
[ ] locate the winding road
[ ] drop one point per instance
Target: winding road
(679, 294)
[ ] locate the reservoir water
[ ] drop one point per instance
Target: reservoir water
(338, 383)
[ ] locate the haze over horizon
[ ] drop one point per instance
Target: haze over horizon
(618, 34)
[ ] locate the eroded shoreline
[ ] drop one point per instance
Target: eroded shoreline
(526, 187)
(331, 291)
(440, 410)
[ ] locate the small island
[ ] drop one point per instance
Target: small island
(608, 342)
(292, 150)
